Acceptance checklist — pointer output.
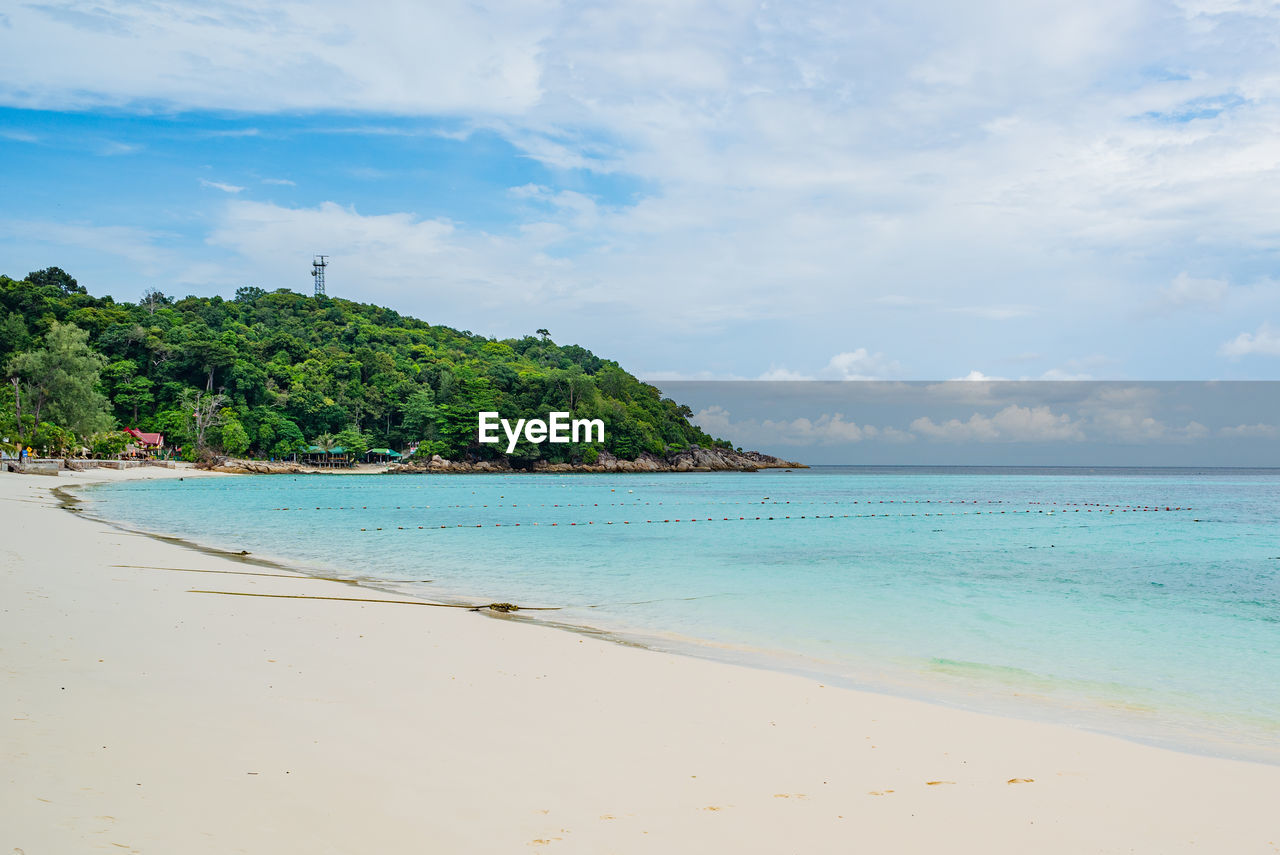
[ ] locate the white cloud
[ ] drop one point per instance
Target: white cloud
(976, 376)
(1264, 342)
(219, 185)
(1038, 162)
(401, 57)
(285, 182)
(1127, 414)
(143, 248)
(859, 364)
(1185, 292)
(827, 429)
(1012, 424)
(1254, 431)
(1060, 374)
(456, 274)
(777, 373)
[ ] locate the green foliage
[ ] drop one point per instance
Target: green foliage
(109, 444)
(235, 440)
(59, 382)
(55, 277)
(354, 443)
(53, 441)
(292, 366)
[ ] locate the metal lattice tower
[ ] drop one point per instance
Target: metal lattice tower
(317, 270)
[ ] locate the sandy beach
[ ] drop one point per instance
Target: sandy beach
(159, 699)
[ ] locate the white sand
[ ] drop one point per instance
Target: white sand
(138, 716)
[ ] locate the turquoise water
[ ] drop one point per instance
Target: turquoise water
(1062, 594)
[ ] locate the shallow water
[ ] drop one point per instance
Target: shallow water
(1059, 594)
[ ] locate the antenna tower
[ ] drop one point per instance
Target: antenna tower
(317, 270)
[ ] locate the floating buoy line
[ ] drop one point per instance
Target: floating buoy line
(638, 504)
(1104, 511)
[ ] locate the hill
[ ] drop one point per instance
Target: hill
(296, 370)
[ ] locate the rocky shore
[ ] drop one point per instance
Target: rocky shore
(237, 466)
(692, 459)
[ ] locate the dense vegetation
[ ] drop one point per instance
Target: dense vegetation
(283, 371)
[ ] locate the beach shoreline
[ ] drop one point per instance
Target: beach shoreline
(915, 685)
(164, 699)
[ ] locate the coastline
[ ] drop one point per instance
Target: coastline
(178, 709)
(692, 459)
(919, 683)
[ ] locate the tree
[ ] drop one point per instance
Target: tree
(13, 335)
(288, 439)
(354, 443)
(154, 298)
(56, 277)
(235, 440)
(128, 388)
(109, 444)
(420, 414)
(293, 367)
(60, 380)
(204, 411)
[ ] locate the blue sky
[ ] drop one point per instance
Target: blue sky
(905, 190)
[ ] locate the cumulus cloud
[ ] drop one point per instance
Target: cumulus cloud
(142, 247)
(976, 376)
(1264, 342)
(1012, 424)
(859, 364)
(828, 429)
(1129, 414)
(1186, 292)
(1033, 162)
(1254, 431)
(777, 373)
(396, 56)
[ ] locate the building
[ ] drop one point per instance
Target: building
(144, 444)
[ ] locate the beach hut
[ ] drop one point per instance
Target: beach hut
(144, 444)
(381, 455)
(316, 456)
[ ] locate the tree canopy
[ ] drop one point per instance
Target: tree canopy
(293, 368)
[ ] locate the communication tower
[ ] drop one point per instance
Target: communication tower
(317, 271)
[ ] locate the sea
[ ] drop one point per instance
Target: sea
(1143, 603)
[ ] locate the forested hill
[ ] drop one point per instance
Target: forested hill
(296, 370)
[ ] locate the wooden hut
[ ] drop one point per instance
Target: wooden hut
(316, 456)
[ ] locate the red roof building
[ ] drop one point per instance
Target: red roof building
(146, 440)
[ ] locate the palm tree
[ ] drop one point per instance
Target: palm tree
(326, 443)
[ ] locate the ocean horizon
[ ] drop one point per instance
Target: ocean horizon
(1138, 601)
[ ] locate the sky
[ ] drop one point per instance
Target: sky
(996, 423)
(725, 190)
